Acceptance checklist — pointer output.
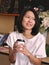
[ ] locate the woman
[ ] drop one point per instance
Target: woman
(33, 49)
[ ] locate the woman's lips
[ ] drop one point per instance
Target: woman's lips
(29, 24)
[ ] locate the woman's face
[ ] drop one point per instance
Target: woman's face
(28, 21)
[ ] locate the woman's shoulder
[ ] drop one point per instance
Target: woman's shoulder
(41, 36)
(14, 33)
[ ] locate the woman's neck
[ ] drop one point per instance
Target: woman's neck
(27, 34)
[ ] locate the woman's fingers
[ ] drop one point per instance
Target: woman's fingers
(18, 47)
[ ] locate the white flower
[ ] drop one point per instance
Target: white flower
(45, 23)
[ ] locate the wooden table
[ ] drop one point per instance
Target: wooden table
(4, 56)
(4, 50)
(45, 60)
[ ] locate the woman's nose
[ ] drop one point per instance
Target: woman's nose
(30, 20)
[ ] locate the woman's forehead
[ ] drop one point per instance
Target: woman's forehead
(29, 13)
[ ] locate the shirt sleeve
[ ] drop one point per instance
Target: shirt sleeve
(41, 51)
(9, 41)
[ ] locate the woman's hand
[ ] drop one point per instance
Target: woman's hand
(15, 47)
(20, 48)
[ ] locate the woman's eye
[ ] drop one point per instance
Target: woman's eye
(27, 17)
(33, 18)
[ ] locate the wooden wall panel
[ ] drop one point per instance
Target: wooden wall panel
(6, 24)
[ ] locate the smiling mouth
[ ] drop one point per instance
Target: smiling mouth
(28, 24)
